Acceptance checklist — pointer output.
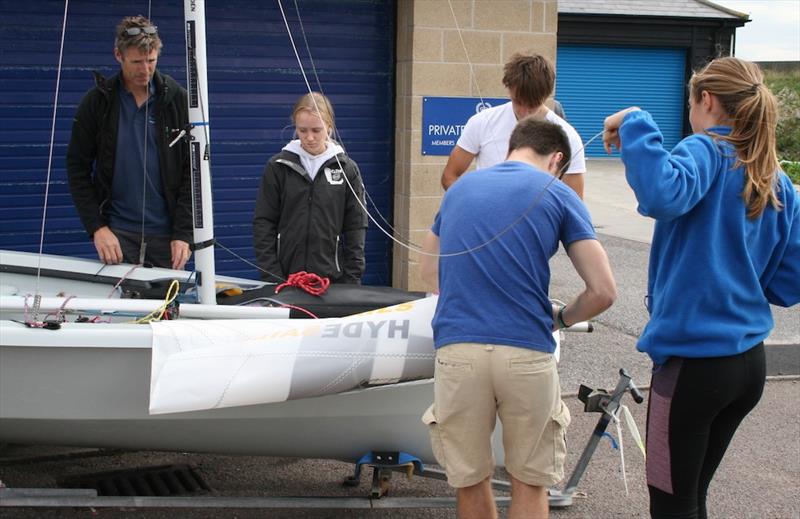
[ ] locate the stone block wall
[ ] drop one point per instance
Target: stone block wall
(432, 36)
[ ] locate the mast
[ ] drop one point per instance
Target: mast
(198, 139)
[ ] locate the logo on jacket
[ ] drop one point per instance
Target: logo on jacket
(334, 176)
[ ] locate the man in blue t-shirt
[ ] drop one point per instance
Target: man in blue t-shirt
(495, 232)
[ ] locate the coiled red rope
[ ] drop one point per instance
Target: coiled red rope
(307, 281)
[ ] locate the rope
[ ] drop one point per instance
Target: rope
(158, 313)
(33, 322)
(123, 278)
(410, 245)
(307, 281)
(292, 307)
(50, 154)
(58, 315)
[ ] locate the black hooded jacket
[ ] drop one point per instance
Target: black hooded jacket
(299, 223)
(93, 144)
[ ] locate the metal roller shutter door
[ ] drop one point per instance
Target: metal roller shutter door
(254, 80)
(594, 82)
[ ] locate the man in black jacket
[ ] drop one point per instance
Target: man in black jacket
(131, 189)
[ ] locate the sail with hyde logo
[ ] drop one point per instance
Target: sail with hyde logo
(200, 365)
(443, 119)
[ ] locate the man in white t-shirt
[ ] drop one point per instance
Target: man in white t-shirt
(530, 81)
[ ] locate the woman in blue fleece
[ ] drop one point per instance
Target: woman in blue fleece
(726, 244)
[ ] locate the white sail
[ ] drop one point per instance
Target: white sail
(214, 364)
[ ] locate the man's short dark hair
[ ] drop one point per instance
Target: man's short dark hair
(543, 137)
(143, 41)
(531, 78)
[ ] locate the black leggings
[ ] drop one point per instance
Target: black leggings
(694, 409)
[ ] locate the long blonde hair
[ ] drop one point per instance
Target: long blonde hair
(753, 111)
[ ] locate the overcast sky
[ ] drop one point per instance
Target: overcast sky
(773, 34)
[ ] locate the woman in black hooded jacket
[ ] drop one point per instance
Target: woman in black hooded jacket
(310, 212)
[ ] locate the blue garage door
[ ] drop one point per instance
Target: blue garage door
(593, 82)
(254, 80)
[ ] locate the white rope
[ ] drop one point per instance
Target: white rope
(318, 114)
(472, 75)
(142, 244)
(50, 157)
(411, 246)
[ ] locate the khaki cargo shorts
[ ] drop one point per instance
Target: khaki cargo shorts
(476, 383)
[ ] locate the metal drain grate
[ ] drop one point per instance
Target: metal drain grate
(165, 480)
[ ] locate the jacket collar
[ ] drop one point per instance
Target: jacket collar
(166, 87)
(290, 156)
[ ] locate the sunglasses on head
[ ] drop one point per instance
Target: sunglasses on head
(135, 31)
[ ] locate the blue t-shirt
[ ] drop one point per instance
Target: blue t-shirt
(713, 271)
(137, 158)
(498, 293)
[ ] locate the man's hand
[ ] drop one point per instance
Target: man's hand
(107, 245)
(180, 253)
(611, 129)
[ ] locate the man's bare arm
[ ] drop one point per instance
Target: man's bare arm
(457, 164)
(591, 263)
(429, 262)
(575, 181)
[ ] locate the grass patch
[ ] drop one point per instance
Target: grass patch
(786, 87)
(792, 169)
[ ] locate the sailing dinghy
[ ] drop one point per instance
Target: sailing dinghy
(337, 387)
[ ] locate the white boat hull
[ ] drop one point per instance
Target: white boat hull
(97, 396)
(89, 385)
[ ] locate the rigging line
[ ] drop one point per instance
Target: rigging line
(410, 246)
(524, 214)
(318, 113)
(52, 139)
(142, 245)
(337, 135)
(527, 211)
(466, 53)
(308, 49)
(232, 253)
(296, 54)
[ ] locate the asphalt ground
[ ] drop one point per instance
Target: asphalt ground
(759, 477)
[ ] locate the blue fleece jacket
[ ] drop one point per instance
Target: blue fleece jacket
(713, 272)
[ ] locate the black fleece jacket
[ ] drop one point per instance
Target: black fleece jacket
(93, 144)
(299, 222)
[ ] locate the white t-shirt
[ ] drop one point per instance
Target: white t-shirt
(487, 133)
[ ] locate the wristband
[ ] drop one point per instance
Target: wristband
(560, 318)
